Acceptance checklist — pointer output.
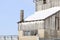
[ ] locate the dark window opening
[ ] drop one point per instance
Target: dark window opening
(30, 33)
(44, 1)
(57, 23)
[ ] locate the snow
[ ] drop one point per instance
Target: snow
(42, 14)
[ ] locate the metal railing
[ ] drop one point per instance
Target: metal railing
(9, 37)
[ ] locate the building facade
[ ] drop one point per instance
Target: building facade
(45, 4)
(44, 24)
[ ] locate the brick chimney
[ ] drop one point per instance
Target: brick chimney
(21, 15)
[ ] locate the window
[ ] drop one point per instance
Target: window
(34, 32)
(44, 1)
(30, 33)
(26, 33)
(57, 23)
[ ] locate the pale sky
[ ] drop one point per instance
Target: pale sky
(10, 13)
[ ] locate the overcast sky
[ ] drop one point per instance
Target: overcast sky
(10, 14)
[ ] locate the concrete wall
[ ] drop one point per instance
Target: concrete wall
(28, 38)
(41, 33)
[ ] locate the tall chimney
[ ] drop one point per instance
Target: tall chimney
(21, 15)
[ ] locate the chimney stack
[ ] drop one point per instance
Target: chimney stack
(21, 15)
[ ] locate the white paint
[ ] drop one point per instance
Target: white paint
(43, 14)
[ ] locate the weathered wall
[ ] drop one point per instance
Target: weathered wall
(41, 33)
(49, 3)
(52, 26)
(31, 25)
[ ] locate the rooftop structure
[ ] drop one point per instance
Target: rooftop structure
(40, 15)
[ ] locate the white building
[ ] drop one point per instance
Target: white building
(44, 24)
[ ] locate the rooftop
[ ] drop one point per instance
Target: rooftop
(39, 15)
